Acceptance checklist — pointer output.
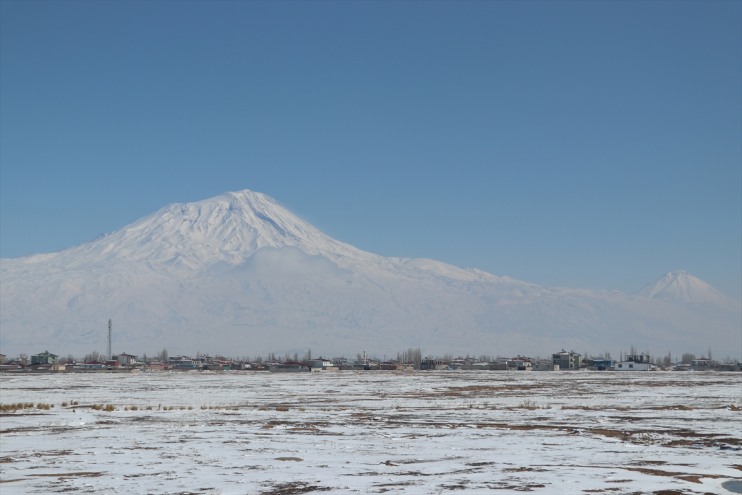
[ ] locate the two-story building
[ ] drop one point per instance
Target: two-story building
(45, 357)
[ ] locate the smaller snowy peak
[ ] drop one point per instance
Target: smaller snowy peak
(681, 286)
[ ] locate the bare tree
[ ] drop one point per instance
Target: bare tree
(411, 356)
(93, 357)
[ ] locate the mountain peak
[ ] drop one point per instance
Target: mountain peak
(246, 199)
(226, 228)
(681, 286)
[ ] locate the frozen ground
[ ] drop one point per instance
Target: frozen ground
(374, 432)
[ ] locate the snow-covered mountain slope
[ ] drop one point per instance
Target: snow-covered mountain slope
(240, 275)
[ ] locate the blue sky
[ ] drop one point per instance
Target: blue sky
(583, 144)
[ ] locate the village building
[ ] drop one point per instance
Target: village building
(635, 362)
(566, 360)
(520, 364)
(155, 366)
(88, 366)
(433, 364)
(601, 363)
(126, 360)
(322, 365)
(45, 357)
(183, 363)
(478, 365)
(290, 367)
(221, 364)
(701, 363)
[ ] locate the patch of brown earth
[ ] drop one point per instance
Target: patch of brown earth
(294, 488)
(74, 474)
(692, 478)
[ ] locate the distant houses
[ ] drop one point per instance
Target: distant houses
(559, 361)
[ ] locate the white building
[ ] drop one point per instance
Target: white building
(634, 362)
(322, 364)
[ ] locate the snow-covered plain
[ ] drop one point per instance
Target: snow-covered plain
(373, 432)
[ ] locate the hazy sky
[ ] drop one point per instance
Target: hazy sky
(586, 144)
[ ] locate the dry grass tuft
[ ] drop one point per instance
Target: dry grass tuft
(101, 407)
(16, 407)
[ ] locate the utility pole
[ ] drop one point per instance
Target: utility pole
(110, 327)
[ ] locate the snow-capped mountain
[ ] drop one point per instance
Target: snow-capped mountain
(228, 228)
(240, 275)
(680, 286)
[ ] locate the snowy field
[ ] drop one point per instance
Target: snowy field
(373, 432)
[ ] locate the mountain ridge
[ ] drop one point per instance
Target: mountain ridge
(239, 270)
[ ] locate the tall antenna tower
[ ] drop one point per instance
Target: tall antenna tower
(110, 327)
